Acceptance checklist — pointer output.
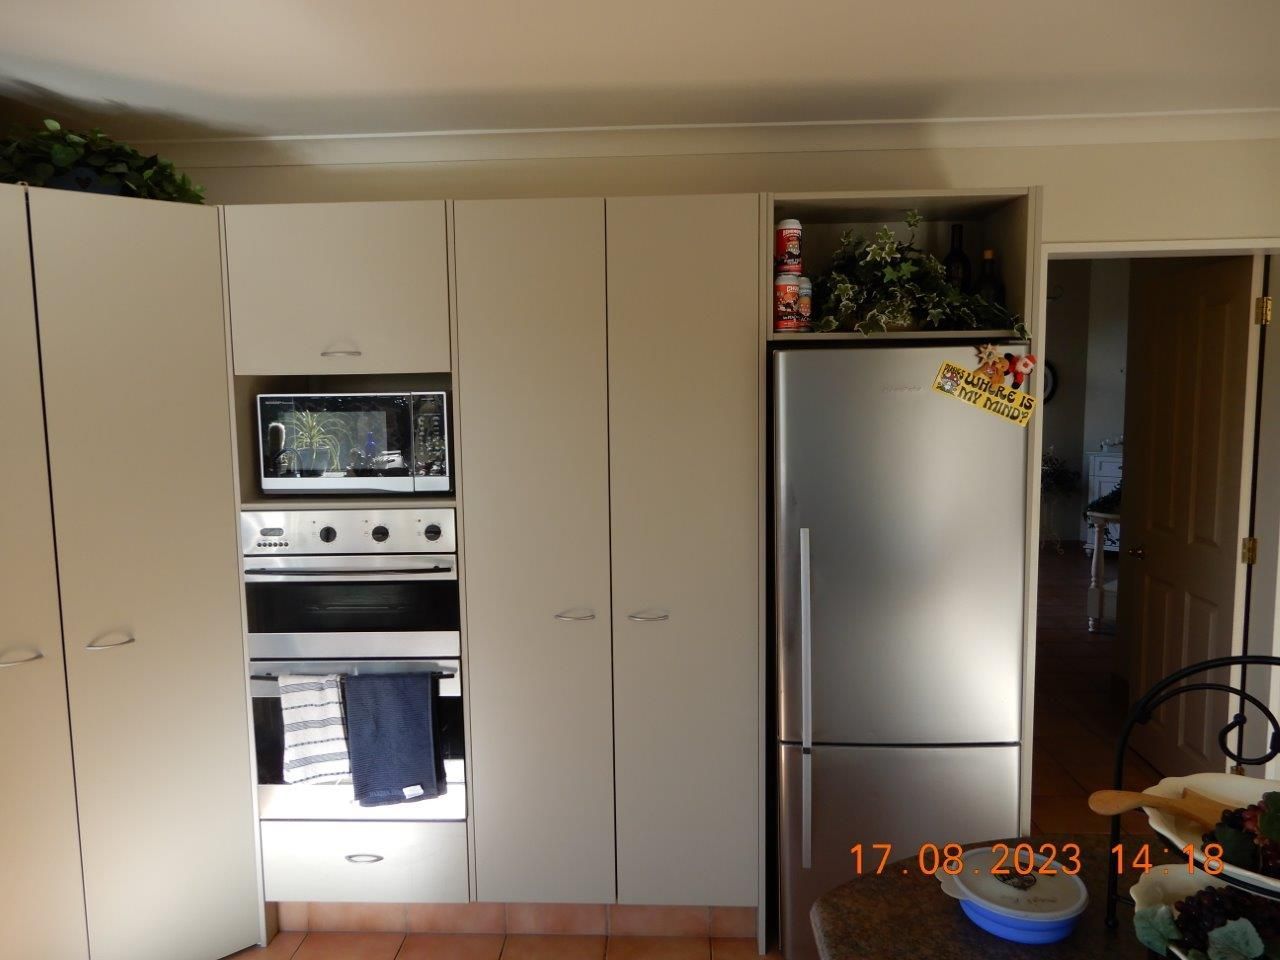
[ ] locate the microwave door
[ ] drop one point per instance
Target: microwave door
(335, 443)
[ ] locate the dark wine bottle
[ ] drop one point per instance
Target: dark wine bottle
(990, 288)
(959, 271)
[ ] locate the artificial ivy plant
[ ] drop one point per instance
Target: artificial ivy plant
(885, 283)
(52, 156)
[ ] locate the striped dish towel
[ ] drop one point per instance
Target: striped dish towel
(315, 736)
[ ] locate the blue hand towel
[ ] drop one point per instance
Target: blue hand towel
(391, 738)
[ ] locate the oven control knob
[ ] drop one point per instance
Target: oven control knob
(432, 532)
(328, 534)
(380, 534)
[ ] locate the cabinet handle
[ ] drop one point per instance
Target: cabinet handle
(15, 663)
(570, 618)
(654, 619)
(362, 858)
(342, 353)
(99, 645)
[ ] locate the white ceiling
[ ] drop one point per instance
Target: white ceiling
(229, 68)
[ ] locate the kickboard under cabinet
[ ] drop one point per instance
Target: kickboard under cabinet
(320, 861)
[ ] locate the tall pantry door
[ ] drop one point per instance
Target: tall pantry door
(533, 440)
(40, 885)
(684, 381)
(129, 296)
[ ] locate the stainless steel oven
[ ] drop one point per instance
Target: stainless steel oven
(351, 584)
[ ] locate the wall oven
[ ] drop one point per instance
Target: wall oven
(351, 584)
(354, 443)
(352, 592)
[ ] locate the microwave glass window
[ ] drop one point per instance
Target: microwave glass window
(366, 606)
(347, 436)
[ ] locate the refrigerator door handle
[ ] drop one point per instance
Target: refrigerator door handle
(806, 705)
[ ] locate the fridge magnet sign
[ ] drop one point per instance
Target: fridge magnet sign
(979, 390)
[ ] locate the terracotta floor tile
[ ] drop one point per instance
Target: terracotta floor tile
(350, 946)
(626, 920)
(1066, 815)
(576, 919)
(282, 947)
(739, 948)
(733, 922)
(1049, 778)
(451, 946)
(356, 917)
(658, 948)
(532, 947)
(456, 918)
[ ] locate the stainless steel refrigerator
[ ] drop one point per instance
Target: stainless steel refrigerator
(899, 545)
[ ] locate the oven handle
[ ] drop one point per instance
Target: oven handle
(268, 575)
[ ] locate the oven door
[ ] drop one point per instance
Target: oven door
(353, 606)
(336, 443)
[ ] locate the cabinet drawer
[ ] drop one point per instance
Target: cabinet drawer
(1108, 467)
(333, 861)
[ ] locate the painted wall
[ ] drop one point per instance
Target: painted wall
(1108, 335)
(1116, 191)
(1066, 347)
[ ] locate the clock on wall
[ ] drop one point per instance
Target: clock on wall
(1050, 385)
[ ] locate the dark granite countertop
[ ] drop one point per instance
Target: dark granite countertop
(891, 916)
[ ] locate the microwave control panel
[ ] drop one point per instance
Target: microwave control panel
(430, 432)
(264, 532)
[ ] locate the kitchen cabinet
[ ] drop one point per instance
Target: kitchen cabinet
(533, 442)
(133, 346)
(1103, 473)
(323, 288)
(40, 885)
(684, 408)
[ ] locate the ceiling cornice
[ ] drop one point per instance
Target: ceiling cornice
(710, 139)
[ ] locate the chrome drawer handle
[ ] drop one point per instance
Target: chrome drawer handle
(656, 619)
(570, 618)
(362, 858)
(99, 645)
(17, 663)
(342, 353)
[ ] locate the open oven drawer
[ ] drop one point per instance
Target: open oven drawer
(355, 862)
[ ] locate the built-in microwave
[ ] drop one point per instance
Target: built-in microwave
(355, 443)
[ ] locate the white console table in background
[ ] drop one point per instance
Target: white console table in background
(1105, 469)
(1102, 596)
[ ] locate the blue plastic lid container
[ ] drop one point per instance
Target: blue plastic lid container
(1030, 908)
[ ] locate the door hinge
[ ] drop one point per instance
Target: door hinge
(1249, 550)
(1262, 311)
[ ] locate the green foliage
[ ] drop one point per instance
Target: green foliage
(886, 284)
(1056, 478)
(1155, 928)
(1235, 940)
(1238, 848)
(56, 157)
(1269, 819)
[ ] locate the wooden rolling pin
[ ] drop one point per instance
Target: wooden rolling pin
(1190, 806)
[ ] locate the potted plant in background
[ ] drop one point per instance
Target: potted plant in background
(1057, 480)
(316, 441)
(52, 156)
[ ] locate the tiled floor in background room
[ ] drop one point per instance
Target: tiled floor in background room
(435, 946)
(1080, 704)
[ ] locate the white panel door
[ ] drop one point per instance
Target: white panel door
(532, 402)
(320, 288)
(40, 886)
(1193, 351)
(129, 295)
(684, 434)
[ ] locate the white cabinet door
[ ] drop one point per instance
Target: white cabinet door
(684, 381)
(129, 296)
(321, 288)
(40, 885)
(532, 402)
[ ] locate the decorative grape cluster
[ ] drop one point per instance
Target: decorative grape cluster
(1250, 836)
(1213, 907)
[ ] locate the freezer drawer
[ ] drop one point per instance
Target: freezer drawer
(905, 796)
(916, 511)
(354, 862)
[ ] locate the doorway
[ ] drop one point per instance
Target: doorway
(1149, 403)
